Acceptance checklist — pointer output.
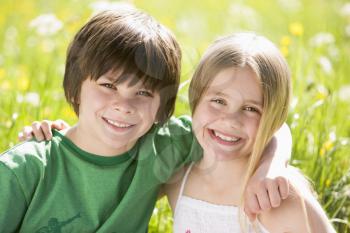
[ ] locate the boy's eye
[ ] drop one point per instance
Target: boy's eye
(109, 86)
(145, 93)
(218, 101)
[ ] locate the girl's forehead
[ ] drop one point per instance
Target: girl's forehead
(236, 81)
(234, 77)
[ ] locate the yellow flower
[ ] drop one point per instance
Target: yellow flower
(328, 183)
(321, 95)
(327, 146)
(47, 111)
(296, 29)
(285, 41)
(5, 85)
(2, 73)
(284, 51)
(23, 83)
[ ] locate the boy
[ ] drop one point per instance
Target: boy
(104, 173)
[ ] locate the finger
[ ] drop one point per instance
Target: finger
(60, 124)
(263, 199)
(274, 194)
(38, 133)
(46, 129)
(251, 203)
(21, 137)
(283, 187)
(251, 216)
(27, 132)
(64, 124)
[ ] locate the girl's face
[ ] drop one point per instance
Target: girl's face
(227, 117)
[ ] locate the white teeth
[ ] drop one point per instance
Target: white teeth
(225, 138)
(117, 124)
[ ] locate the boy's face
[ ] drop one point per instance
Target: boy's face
(112, 117)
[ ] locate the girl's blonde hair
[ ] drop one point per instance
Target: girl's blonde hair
(263, 57)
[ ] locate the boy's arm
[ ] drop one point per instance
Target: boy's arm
(268, 186)
(12, 201)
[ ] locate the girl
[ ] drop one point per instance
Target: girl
(239, 97)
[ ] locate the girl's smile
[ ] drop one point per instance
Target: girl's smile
(228, 114)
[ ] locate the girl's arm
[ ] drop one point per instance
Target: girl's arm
(300, 212)
(41, 130)
(268, 186)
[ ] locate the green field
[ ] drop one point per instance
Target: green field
(314, 36)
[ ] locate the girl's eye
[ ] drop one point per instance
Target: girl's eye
(109, 86)
(251, 109)
(145, 93)
(218, 101)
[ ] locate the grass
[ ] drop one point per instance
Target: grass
(32, 66)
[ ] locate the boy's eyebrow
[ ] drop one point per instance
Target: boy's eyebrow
(114, 80)
(110, 77)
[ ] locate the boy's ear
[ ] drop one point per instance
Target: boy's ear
(74, 101)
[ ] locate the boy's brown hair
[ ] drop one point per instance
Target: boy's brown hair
(133, 44)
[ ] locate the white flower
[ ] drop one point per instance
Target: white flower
(107, 5)
(344, 93)
(333, 51)
(294, 102)
(242, 10)
(322, 38)
(14, 116)
(347, 30)
(11, 33)
(192, 24)
(243, 14)
(46, 24)
(292, 6)
(32, 98)
(345, 10)
(332, 136)
(325, 64)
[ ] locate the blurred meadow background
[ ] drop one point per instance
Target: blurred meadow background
(313, 35)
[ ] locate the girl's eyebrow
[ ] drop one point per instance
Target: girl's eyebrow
(256, 102)
(253, 101)
(219, 93)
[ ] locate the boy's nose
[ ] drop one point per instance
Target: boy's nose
(124, 106)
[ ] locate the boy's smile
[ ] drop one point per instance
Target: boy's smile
(112, 117)
(227, 116)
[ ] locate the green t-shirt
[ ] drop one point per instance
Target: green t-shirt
(53, 186)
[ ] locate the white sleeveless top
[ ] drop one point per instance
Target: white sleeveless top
(197, 216)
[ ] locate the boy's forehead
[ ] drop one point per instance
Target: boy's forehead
(120, 76)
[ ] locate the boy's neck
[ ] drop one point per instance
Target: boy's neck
(94, 146)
